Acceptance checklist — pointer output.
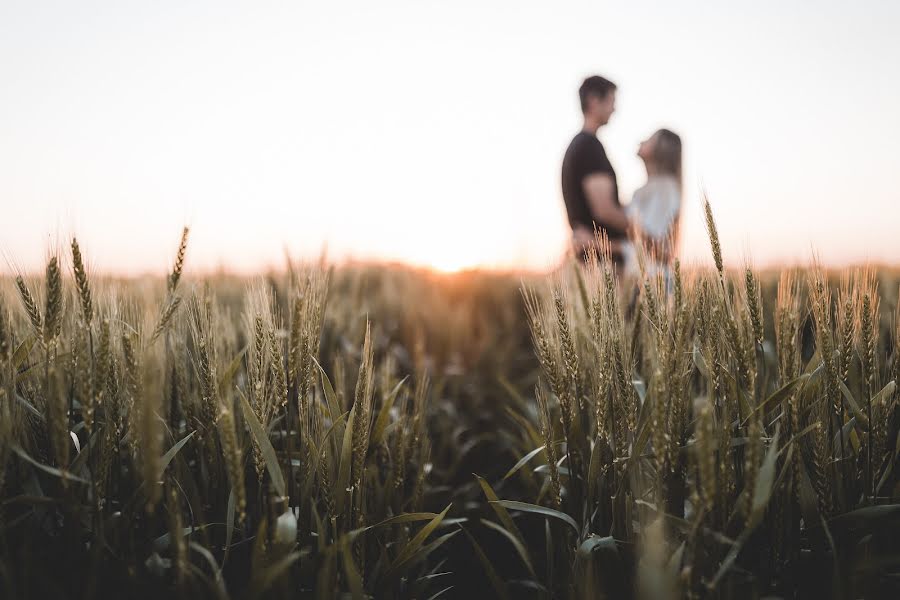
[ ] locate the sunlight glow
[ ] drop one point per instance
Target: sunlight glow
(432, 133)
(448, 264)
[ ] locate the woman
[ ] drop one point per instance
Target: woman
(654, 211)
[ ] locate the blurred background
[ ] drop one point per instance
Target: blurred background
(432, 133)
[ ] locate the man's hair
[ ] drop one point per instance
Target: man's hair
(594, 86)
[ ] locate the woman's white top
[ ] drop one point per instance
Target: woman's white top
(653, 210)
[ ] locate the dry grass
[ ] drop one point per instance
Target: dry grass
(762, 465)
(314, 433)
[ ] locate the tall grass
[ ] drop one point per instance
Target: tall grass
(707, 433)
(153, 438)
(705, 457)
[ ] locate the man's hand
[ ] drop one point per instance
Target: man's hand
(582, 236)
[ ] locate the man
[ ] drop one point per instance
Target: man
(589, 185)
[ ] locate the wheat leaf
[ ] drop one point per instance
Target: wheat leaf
(265, 446)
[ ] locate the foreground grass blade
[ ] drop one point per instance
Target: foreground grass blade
(330, 396)
(430, 547)
(168, 456)
(30, 407)
(232, 369)
(409, 550)
(229, 525)
(399, 519)
(217, 573)
(81, 460)
(765, 481)
(760, 500)
(264, 580)
(440, 593)
(523, 461)
(342, 484)
(501, 511)
(318, 453)
(265, 446)
(600, 553)
(162, 542)
(351, 571)
(777, 397)
(385, 413)
(539, 510)
(22, 350)
(65, 475)
(496, 582)
(515, 541)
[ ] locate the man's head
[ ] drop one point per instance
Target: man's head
(598, 99)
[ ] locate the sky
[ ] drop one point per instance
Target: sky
(433, 132)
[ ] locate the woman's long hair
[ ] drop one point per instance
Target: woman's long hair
(667, 154)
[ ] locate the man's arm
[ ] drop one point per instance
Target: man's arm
(599, 190)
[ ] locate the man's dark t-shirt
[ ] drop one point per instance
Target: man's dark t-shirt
(584, 157)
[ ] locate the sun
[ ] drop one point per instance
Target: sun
(451, 258)
(448, 264)
(453, 246)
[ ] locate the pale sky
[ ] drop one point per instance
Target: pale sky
(433, 132)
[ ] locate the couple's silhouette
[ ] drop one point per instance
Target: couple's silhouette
(591, 192)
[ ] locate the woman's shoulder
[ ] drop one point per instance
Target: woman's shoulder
(662, 183)
(663, 188)
(658, 187)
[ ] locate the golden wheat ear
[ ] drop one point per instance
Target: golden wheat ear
(713, 233)
(178, 268)
(6, 341)
(31, 307)
(81, 283)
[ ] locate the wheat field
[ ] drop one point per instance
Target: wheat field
(383, 432)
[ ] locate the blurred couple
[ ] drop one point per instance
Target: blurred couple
(649, 223)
